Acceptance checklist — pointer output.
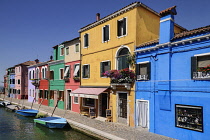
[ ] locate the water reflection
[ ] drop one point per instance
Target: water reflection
(16, 127)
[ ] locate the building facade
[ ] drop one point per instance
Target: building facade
(72, 73)
(172, 87)
(106, 45)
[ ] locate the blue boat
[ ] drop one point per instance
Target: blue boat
(27, 112)
(51, 122)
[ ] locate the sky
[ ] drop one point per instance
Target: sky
(30, 28)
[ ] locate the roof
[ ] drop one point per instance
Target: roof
(117, 13)
(77, 38)
(148, 43)
(27, 63)
(192, 32)
(200, 30)
(171, 10)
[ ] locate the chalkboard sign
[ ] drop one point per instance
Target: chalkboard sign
(92, 112)
(108, 113)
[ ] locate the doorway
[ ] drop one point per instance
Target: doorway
(122, 108)
(142, 113)
(103, 104)
(69, 100)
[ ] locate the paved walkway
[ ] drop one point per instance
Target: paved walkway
(108, 130)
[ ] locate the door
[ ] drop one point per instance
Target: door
(122, 105)
(69, 100)
(103, 104)
(142, 113)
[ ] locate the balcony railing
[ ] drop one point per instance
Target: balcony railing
(142, 77)
(35, 82)
(201, 75)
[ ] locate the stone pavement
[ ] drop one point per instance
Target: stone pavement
(108, 130)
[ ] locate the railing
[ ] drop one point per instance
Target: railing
(201, 75)
(142, 77)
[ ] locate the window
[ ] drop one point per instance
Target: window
(61, 95)
(86, 40)
(189, 117)
(30, 75)
(121, 27)
(200, 66)
(86, 71)
(61, 74)
(67, 50)
(67, 72)
(18, 82)
(18, 91)
(88, 102)
(46, 94)
(76, 100)
(76, 70)
(77, 48)
(44, 71)
(122, 59)
(143, 71)
(104, 66)
(105, 33)
(41, 94)
(62, 51)
(51, 75)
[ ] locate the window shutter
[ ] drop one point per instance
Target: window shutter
(124, 26)
(119, 63)
(193, 65)
(83, 71)
(137, 69)
(88, 71)
(118, 28)
(109, 64)
(101, 69)
(149, 70)
(106, 33)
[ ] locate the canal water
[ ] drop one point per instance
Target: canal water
(16, 127)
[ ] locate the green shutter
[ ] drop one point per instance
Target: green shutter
(149, 70)
(118, 28)
(88, 71)
(124, 26)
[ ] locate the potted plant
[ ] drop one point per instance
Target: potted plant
(76, 78)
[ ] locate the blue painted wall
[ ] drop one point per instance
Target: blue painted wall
(171, 84)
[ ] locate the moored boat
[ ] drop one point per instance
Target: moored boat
(27, 112)
(52, 122)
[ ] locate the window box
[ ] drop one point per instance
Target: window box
(76, 79)
(120, 76)
(66, 79)
(189, 117)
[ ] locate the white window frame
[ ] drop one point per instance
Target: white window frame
(103, 34)
(117, 54)
(76, 49)
(77, 100)
(100, 67)
(88, 69)
(66, 50)
(62, 47)
(125, 28)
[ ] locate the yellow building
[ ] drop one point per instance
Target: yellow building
(105, 45)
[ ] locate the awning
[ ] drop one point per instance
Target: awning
(87, 92)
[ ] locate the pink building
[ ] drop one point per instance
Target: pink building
(72, 73)
(21, 79)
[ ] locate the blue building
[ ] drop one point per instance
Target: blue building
(173, 82)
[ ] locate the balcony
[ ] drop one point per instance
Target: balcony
(124, 77)
(35, 82)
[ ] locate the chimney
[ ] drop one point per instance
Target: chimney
(97, 16)
(37, 61)
(167, 25)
